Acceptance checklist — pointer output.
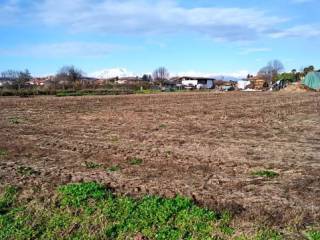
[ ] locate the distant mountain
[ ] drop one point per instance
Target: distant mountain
(112, 73)
(236, 76)
(123, 72)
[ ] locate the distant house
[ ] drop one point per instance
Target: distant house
(128, 80)
(37, 81)
(197, 82)
(40, 81)
(4, 81)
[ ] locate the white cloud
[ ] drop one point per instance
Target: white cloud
(8, 11)
(64, 49)
(254, 50)
(301, 31)
(152, 17)
(302, 1)
(236, 74)
(155, 17)
(123, 72)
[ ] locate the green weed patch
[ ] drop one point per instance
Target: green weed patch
(90, 211)
(92, 165)
(313, 235)
(114, 168)
(15, 120)
(265, 173)
(3, 152)
(136, 161)
(27, 171)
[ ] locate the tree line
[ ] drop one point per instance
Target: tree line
(67, 77)
(16, 79)
(73, 79)
(274, 71)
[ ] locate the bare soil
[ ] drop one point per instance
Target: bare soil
(201, 145)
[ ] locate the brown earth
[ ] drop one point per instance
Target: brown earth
(201, 145)
(296, 88)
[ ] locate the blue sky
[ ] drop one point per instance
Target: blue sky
(198, 37)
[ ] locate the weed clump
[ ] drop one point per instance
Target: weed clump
(3, 152)
(136, 161)
(266, 173)
(114, 168)
(15, 120)
(27, 171)
(92, 165)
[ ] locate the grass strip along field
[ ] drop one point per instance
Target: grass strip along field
(91, 211)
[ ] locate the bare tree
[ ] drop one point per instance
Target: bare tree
(271, 71)
(160, 75)
(69, 75)
(10, 75)
(23, 79)
(16, 79)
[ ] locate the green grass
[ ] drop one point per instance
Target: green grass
(268, 235)
(313, 235)
(147, 91)
(92, 165)
(7, 199)
(136, 161)
(92, 92)
(114, 168)
(78, 194)
(262, 235)
(266, 173)
(90, 211)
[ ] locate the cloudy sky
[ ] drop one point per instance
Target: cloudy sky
(199, 36)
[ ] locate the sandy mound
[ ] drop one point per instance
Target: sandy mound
(296, 88)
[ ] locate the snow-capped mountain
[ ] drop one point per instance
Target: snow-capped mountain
(227, 78)
(123, 72)
(112, 73)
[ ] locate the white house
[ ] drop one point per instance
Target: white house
(197, 82)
